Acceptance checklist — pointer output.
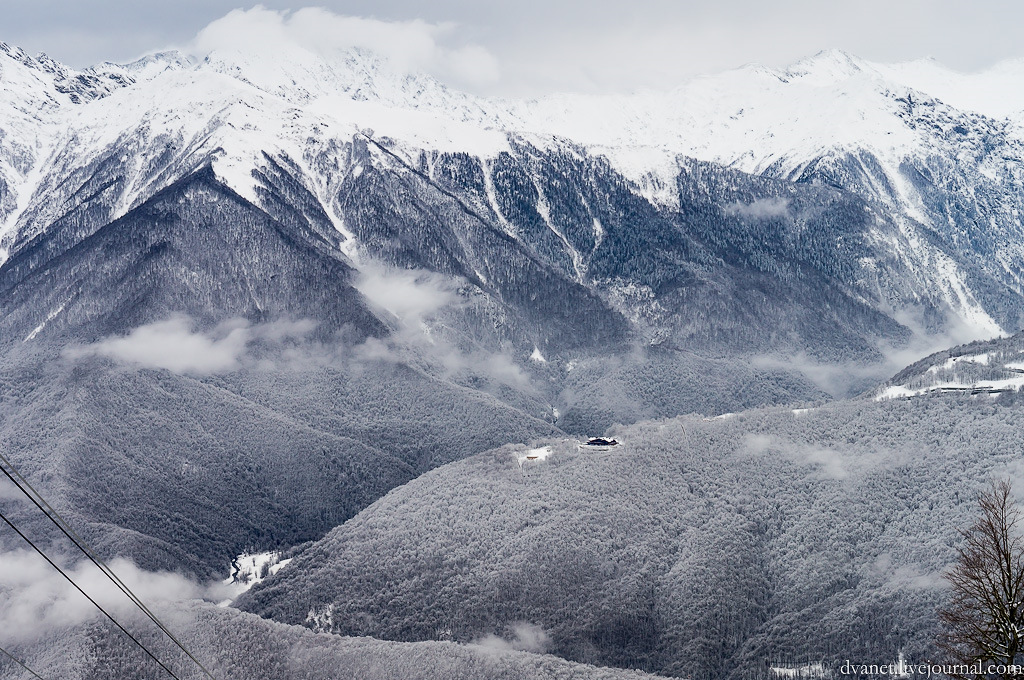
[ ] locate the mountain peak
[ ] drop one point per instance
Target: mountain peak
(829, 66)
(14, 52)
(48, 73)
(152, 65)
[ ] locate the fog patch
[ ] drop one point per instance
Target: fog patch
(526, 637)
(956, 330)
(174, 345)
(407, 46)
(9, 492)
(905, 576)
(839, 379)
(35, 599)
(846, 378)
(442, 358)
(759, 209)
(756, 444)
(828, 463)
(414, 299)
(409, 295)
(411, 302)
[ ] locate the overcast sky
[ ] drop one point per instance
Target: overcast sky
(537, 46)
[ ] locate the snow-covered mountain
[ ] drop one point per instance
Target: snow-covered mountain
(384, 275)
(942, 150)
(983, 369)
(834, 210)
(942, 179)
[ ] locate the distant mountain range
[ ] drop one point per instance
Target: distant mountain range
(245, 297)
(902, 210)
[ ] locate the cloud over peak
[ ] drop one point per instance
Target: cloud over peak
(174, 345)
(407, 46)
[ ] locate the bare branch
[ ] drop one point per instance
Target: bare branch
(984, 621)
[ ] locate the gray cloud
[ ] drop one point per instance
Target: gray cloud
(904, 576)
(172, 344)
(410, 46)
(35, 599)
(847, 378)
(439, 356)
(825, 463)
(555, 45)
(526, 637)
(411, 298)
(9, 492)
(760, 209)
(410, 295)
(415, 299)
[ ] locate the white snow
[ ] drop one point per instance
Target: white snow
(420, 129)
(750, 118)
(248, 569)
(812, 670)
(995, 91)
(951, 362)
(238, 104)
(321, 619)
(531, 455)
(49, 317)
(544, 210)
(981, 387)
(537, 356)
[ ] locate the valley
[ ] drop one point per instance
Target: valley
(321, 341)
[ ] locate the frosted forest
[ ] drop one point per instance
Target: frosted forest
(324, 357)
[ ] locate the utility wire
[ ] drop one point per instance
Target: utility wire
(15, 660)
(95, 604)
(37, 499)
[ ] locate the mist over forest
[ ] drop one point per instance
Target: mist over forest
(303, 351)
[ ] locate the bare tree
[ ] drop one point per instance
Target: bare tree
(984, 622)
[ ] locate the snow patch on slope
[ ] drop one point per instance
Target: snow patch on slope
(533, 455)
(248, 569)
(993, 372)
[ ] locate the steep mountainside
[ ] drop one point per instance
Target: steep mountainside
(255, 298)
(183, 472)
(703, 548)
(942, 150)
(237, 646)
(401, 169)
(411, 274)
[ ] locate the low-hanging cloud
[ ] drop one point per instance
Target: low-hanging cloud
(409, 46)
(526, 637)
(36, 600)
(827, 463)
(848, 378)
(760, 209)
(410, 295)
(414, 298)
(442, 357)
(174, 344)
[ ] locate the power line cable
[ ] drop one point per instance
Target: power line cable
(17, 661)
(86, 595)
(37, 499)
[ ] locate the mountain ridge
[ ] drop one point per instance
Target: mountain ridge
(268, 298)
(653, 171)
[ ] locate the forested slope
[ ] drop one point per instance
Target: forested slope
(184, 472)
(701, 548)
(238, 646)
